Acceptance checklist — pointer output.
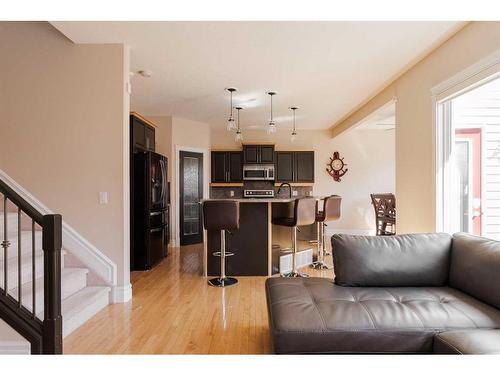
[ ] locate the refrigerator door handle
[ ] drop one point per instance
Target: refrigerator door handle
(162, 180)
(164, 187)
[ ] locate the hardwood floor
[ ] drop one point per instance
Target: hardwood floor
(174, 311)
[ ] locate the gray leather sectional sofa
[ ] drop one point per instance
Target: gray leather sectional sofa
(415, 293)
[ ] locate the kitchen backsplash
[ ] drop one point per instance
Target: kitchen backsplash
(225, 192)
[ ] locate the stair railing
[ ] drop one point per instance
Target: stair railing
(45, 336)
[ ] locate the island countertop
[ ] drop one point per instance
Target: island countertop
(263, 200)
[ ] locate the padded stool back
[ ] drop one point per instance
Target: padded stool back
(221, 215)
(331, 209)
(304, 211)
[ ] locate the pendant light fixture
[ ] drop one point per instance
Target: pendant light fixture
(230, 121)
(272, 125)
(293, 138)
(239, 135)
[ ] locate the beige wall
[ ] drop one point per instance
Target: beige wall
(414, 131)
(64, 130)
(368, 153)
(172, 134)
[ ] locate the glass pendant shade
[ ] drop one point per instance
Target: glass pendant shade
(231, 124)
(239, 136)
(294, 135)
(271, 128)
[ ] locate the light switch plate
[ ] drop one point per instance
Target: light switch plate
(103, 197)
(295, 193)
(231, 193)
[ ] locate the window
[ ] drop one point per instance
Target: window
(468, 163)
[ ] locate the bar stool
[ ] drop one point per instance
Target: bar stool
(222, 215)
(331, 211)
(304, 213)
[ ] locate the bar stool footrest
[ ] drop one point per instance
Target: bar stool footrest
(218, 282)
(294, 274)
(217, 254)
(321, 266)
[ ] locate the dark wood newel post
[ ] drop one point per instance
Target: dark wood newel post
(52, 321)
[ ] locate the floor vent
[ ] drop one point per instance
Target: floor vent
(304, 258)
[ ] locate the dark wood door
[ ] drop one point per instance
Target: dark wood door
(235, 168)
(284, 166)
(250, 154)
(219, 169)
(304, 166)
(266, 154)
(190, 195)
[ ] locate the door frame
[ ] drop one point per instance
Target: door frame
(175, 231)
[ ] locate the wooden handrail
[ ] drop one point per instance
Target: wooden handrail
(44, 336)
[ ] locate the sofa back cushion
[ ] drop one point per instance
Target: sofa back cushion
(475, 267)
(384, 261)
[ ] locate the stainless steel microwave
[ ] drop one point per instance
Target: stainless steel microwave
(260, 172)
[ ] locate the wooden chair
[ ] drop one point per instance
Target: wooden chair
(385, 213)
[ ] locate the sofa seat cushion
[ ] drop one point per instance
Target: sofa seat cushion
(313, 315)
(476, 341)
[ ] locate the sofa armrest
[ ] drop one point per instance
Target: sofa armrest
(474, 341)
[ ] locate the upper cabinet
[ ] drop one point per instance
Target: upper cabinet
(258, 154)
(295, 166)
(227, 166)
(142, 134)
(304, 166)
(284, 166)
(290, 166)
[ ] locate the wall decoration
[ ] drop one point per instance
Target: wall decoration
(336, 167)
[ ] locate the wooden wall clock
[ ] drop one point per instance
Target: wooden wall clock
(336, 167)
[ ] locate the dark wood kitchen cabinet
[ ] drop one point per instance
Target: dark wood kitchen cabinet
(258, 154)
(304, 166)
(142, 134)
(295, 166)
(227, 166)
(284, 166)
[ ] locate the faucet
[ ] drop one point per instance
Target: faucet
(289, 188)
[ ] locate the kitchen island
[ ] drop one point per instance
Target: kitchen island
(258, 244)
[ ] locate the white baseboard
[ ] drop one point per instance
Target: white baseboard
(364, 232)
(73, 242)
(11, 348)
(12, 342)
(121, 294)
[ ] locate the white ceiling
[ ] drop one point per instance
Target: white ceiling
(325, 68)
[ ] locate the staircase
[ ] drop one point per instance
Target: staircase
(22, 267)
